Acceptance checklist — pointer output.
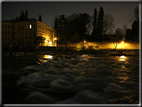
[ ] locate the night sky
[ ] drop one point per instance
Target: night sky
(121, 12)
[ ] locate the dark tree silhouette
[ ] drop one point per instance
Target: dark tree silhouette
(100, 24)
(22, 16)
(40, 18)
(135, 28)
(56, 29)
(108, 24)
(134, 32)
(94, 24)
(26, 15)
(128, 36)
(77, 24)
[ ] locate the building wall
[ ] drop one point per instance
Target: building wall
(24, 34)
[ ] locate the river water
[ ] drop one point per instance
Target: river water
(83, 79)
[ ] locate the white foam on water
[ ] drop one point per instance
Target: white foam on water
(84, 97)
(38, 98)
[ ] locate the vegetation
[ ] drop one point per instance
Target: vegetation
(134, 32)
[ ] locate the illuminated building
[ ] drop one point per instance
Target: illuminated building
(31, 33)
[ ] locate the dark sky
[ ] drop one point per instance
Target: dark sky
(121, 12)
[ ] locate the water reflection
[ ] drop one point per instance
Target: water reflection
(123, 78)
(122, 58)
(45, 58)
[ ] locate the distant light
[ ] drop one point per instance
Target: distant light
(122, 57)
(50, 43)
(55, 38)
(30, 26)
(122, 42)
(48, 57)
(84, 41)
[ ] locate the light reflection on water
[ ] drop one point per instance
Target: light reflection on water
(45, 58)
(122, 58)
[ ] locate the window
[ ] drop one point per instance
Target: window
(8, 27)
(5, 27)
(22, 27)
(19, 27)
(5, 33)
(8, 33)
(30, 26)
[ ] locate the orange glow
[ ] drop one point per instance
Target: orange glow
(55, 38)
(84, 41)
(48, 56)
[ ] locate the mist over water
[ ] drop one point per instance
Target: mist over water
(84, 79)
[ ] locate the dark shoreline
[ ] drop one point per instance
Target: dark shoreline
(18, 62)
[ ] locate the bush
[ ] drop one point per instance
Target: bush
(90, 47)
(80, 46)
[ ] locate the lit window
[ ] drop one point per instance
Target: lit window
(30, 26)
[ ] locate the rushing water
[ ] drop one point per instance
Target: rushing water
(82, 79)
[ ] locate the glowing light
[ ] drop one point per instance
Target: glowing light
(84, 41)
(30, 26)
(50, 43)
(122, 58)
(122, 42)
(55, 38)
(48, 57)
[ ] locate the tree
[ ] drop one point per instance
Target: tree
(117, 37)
(124, 28)
(60, 27)
(26, 15)
(40, 18)
(135, 15)
(22, 15)
(77, 23)
(108, 24)
(82, 29)
(56, 29)
(135, 26)
(100, 24)
(128, 35)
(94, 24)
(75, 38)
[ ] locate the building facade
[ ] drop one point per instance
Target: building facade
(26, 34)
